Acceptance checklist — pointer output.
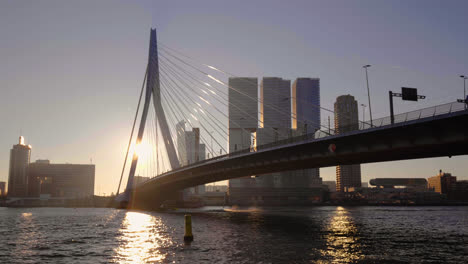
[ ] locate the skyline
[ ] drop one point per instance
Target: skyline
(112, 66)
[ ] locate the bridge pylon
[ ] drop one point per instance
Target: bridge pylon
(152, 91)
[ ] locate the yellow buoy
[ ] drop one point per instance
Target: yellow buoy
(188, 237)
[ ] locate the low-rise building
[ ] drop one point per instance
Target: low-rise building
(47, 180)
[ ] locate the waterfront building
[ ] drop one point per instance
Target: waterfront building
(306, 105)
(276, 124)
(20, 156)
(306, 120)
(346, 119)
(331, 185)
(414, 183)
(47, 180)
(441, 183)
(188, 145)
(275, 103)
(243, 120)
(190, 150)
(459, 191)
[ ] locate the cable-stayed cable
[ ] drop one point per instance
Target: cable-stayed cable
(290, 115)
(175, 72)
(173, 108)
(182, 95)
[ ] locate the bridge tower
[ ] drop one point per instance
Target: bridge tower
(152, 91)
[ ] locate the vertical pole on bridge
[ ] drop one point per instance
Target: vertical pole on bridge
(392, 117)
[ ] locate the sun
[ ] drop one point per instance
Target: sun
(143, 151)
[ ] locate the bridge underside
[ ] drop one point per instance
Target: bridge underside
(433, 137)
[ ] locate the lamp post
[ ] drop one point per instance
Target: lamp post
(211, 134)
(368, 93)
(464, 85)
(363, 112)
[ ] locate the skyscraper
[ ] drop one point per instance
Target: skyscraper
(306, 105)
(306, 120)
(275, 123)
(190, 151)
(243, 119)
(243, 112)
(188, 145)
(346, 120)
(20, 156)
(275, 103)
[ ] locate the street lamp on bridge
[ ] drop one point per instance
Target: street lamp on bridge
(464, 87)
(363, 112)
(368, 93)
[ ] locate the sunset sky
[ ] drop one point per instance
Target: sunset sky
(71, 71)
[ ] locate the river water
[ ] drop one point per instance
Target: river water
(328, 234)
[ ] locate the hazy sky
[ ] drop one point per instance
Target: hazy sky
(70, 71)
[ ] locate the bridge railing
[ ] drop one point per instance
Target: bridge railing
(380, 122)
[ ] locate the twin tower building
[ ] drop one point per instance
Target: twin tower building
(276, 112)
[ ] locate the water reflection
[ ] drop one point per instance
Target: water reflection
(27, 234)
(142, 238)
(343, 245)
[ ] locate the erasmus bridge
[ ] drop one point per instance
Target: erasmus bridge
(178, 89)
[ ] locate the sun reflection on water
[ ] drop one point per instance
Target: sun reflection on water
(142, 239)
(342, 238)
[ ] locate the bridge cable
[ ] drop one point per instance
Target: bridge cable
(176, 116)
(290, 115)
(133, 129)
(180, 111)
(217, 99)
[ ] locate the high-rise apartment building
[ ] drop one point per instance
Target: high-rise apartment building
(346, 119)
(20, 156)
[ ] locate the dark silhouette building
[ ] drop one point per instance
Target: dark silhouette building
(20, 155)
(2, 188)
(346, 120)
(61, 180)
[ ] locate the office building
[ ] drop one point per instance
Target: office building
(306, 120)
(275, 124)
(20, 156)
(275, 103)
(243, 120)
(47, 180)
(346, 120)
(306, 105)
(188, 145)
(190, 151)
